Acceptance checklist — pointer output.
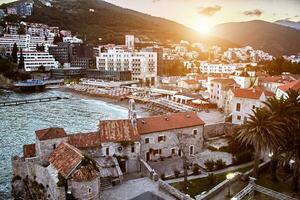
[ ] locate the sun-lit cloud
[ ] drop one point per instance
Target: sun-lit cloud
(209, 10)
(255, 12)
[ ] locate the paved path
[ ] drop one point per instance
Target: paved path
(133, 188)
(205, 174)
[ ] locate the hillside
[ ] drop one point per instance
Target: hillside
(289, 23)
(269, 37)
(111, 23)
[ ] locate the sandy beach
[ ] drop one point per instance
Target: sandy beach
(141, 112)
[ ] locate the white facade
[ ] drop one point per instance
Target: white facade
(243, 106)
(143, 65)
(26, 42)
(217, 68)
(33, 60)
(129, 41)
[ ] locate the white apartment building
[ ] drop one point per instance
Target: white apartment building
(218, 89)
(143, 65)
(26, 42)
(218, 68)
(33, 60)
(244, 102)
(129, 41)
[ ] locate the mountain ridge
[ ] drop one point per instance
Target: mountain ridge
(270, 37)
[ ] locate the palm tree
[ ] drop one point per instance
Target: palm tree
(262, 132)
(282, 112)
(293, 145)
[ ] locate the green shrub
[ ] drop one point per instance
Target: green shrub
(62, 182)
(196, 169)
(220, 164)
(211, 179)
(243, 157)
(210, 165)
(176, 173)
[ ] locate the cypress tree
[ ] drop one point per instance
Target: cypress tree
(21, 60)
(14, 53)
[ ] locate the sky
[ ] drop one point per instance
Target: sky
(202, 15)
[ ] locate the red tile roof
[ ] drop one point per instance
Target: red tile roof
(247, 93)
(85, 173)
(65, 158)
(168, 122)
(50, 133)
(191, 82)
(29, 150)
(85, 140)
(117, 131)
(295, 85)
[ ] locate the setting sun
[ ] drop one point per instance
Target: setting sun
(203, 27)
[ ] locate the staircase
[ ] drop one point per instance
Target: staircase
(105, 183)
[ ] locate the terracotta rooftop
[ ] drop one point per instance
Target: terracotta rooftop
(224, 81)
(85, 140)
(65, 158)
(29, 150)
(247, 93)
(85, 173)
(50, 133)
(168, 122)
(295, 85)
(117, 131)
(191, 82)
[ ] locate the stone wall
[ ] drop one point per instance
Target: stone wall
(216, 130)
(173, 191)
(85, 190)
(45, 147)
(147, 171)
(171, 142)
(30, 168)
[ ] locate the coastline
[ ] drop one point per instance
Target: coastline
(141, 112)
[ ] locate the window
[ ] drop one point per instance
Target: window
(147, 140)
(179, 152)
(54, 146)
(157, 151)
(173, 151)
(191, 150)
(161, 138)
(195, 131)
(253, 107)
(238, 117)
(107, 151)
(90, 190)
(238, 107)
(132, 149)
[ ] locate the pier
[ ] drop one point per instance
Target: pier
(30, 101)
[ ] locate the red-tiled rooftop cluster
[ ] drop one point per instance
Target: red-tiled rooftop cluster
(168, 122)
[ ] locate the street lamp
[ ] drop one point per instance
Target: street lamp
(229, 177)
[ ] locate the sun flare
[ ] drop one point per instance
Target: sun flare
(204, 27)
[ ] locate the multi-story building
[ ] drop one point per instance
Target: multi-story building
(129, 41)
(60, 52)
(245, 101)
(160, 57)
(34, 59)
(26, 42)
(283, 89)
(218, 89)
(143, 65)
(81, 56)
(218, 68)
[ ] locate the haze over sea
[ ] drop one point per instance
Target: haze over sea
(18, 123)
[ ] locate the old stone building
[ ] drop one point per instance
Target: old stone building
(82, 165)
